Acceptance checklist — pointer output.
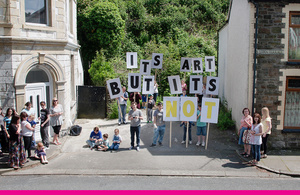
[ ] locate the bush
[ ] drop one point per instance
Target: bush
(225, 121)
(113, 111)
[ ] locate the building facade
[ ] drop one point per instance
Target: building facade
(260, 43)
(39, 55)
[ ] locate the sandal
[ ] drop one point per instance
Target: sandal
(16, 168)
(244, 153)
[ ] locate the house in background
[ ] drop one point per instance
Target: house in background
(259, 64)
(39, 54)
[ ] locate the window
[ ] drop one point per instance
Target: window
(36, 11)
(292, 103)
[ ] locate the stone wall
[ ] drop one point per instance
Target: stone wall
(270, 37)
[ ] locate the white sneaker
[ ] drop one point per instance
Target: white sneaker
(138, 149)
(130, 148)
(190, 142)
(203, 143)
(198, 143)
(183, 142)
(46, 162)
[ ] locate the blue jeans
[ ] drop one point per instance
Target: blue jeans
(155, 96)
(114, 146)
(190, 133)
(123, 111)
(135, 130)
(92, 143)
(201, 130)
(159, 132)
(256, 152)
(241, 135)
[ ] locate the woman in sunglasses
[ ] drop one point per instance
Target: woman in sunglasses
(56, 119)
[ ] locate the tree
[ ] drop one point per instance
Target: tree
(100, 26)
(101, 70)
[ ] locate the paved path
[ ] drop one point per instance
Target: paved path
(220, 159)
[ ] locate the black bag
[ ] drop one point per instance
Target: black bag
(75, 130)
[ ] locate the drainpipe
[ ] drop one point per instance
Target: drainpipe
(255, 54)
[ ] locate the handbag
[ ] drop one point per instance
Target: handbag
(247, 136)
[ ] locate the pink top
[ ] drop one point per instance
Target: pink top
(246, 121)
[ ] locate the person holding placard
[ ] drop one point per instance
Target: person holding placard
(135, 116)
(246, 123)
(144, 100)
(201, 128)
(155, 94)
(151, 104)
(137, 98)
(184, 124)
(159, 125)
(183, 85)
(123, 106)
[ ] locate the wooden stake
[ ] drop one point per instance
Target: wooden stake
(170, 145)
(147, 106)
(206, 143)
(187, 135)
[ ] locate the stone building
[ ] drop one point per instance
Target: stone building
(39, 54)
(260, 43)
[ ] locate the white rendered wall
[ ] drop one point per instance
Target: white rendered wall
(234, 56)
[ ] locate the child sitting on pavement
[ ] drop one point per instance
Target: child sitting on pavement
(105, 144)
(117, 139)
(95, 138)
(40, 153)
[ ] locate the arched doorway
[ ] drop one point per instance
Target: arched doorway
(39, 87)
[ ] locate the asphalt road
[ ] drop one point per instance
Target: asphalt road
(80, 182)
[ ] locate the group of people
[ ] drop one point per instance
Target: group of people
(101, 143)
(17, 132)
(135, 116)
(253, 134)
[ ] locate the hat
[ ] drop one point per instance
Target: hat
(150, 95)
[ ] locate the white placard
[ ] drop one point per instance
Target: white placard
(210, 110)
(185, 64)
(157, 60)
(175, 84)
(148, 84)
(210, 64)
(131, 59)
(134, 82)
(145, 67)
(212, 85)
(197, 66)
(188, 109)
(171, 108)
(114, 88)
(196, 84)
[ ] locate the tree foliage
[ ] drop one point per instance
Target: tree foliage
(176, 28)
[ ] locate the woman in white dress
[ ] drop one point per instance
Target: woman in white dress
(56, 119)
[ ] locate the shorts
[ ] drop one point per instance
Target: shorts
(56, 129)
(201, 131)
(144, 98)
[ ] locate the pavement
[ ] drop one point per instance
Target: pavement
(222, 157)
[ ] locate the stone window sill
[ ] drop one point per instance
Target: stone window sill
(292, 63)
(291, 130)
(38, 27)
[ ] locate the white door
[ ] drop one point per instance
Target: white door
(35, 93)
